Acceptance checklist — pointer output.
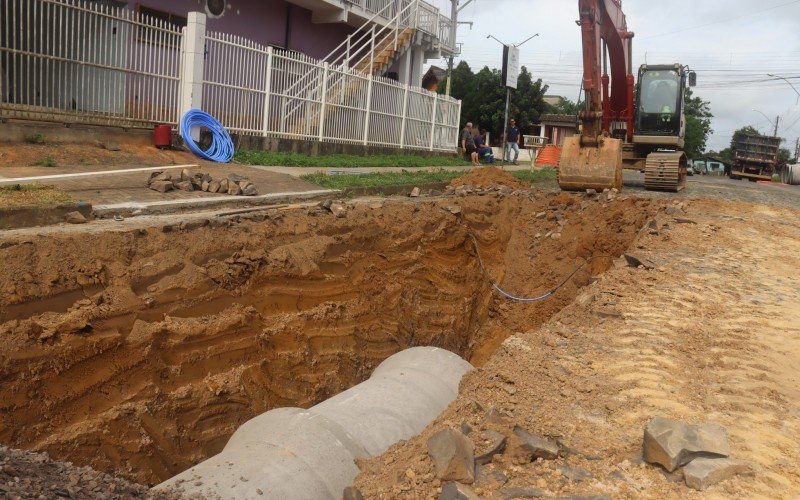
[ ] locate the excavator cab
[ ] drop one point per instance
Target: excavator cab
(659, 106)
(660, 126)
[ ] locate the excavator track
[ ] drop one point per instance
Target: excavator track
(665, 171)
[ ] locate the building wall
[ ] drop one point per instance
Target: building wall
(270, 22)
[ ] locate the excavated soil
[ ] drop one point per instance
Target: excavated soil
(138, 352)
(705, 331)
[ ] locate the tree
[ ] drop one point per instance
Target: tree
(784, 156)
(483, 98)
(698, 124)
(566, 107)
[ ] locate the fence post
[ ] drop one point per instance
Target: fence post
(405, 114)
(267, 92)
(192, 71)
(369, 108)
(458, 124)
(433, 118)
(325, 69)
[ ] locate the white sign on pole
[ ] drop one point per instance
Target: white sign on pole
(510, 66)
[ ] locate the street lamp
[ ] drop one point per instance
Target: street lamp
(787, 81)
(508, 89)
(777, 120)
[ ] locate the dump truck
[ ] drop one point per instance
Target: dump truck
(755, 157)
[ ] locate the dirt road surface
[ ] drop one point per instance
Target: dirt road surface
(709, 334)
(138, 347)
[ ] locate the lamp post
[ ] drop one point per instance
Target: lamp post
(508, 89)
(778, 77)
(777, 120)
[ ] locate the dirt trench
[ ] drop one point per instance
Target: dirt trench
(139, 352)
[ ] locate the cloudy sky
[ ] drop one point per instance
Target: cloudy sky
(732, 44)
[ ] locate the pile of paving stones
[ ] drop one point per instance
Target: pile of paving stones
(233, 184)
(702, 450)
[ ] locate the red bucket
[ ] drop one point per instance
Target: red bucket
(162, 136)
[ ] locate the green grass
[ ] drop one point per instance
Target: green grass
(47, 161)
(345, 161)
(534, 176)
(34, 139)
(380, 179)
(404, 178)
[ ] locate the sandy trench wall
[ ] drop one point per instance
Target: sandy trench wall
(140, 352)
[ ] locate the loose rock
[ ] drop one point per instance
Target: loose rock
(75, 218)
(532, 447)
(497, 443)
(457, 491)
(234, 189)
(351, 493)
(671, 443)
(161, 186)
(453, 455)
(184, 186)
(704, 472)
(415, 192)
(574, 474)
(511, 493)
(250, 190)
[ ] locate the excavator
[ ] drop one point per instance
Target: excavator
(625, 123)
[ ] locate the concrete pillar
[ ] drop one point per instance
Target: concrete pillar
(194, 48)
(417, 62)
(404, 68)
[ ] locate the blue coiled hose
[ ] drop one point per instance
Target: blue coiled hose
(221, 149)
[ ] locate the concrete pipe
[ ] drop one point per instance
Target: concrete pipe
(291, 453)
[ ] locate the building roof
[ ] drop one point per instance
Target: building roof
(555, 119)
(438, 72)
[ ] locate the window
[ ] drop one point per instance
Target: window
(154, 17)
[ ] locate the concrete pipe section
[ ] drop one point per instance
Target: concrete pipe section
(291, 453)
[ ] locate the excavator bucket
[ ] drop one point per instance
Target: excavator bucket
(582, 168)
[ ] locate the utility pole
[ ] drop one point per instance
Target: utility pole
(797, 150)
(506, 51)
(777, 120)
(454, 10)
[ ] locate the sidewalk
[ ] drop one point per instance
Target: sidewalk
(131, 188)
(300, 171)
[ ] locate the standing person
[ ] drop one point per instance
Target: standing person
(468, 144)
(512, 136)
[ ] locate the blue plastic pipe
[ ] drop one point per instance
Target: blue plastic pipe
(221, 149)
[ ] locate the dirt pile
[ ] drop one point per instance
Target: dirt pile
(139, 352)
(489, 176)
(34, 475)
(698, 337)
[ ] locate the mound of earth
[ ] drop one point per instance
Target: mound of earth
(489, 176)
(25, 474)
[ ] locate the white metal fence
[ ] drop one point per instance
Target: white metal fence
(87, 62)
(74, 61)
(276, 93)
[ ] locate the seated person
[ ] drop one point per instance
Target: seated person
(484, 152)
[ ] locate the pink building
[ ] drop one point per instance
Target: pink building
(329, 70)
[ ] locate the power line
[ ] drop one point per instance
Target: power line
(721, 21)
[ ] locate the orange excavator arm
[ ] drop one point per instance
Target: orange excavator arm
(593, 160)
(606, 39)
